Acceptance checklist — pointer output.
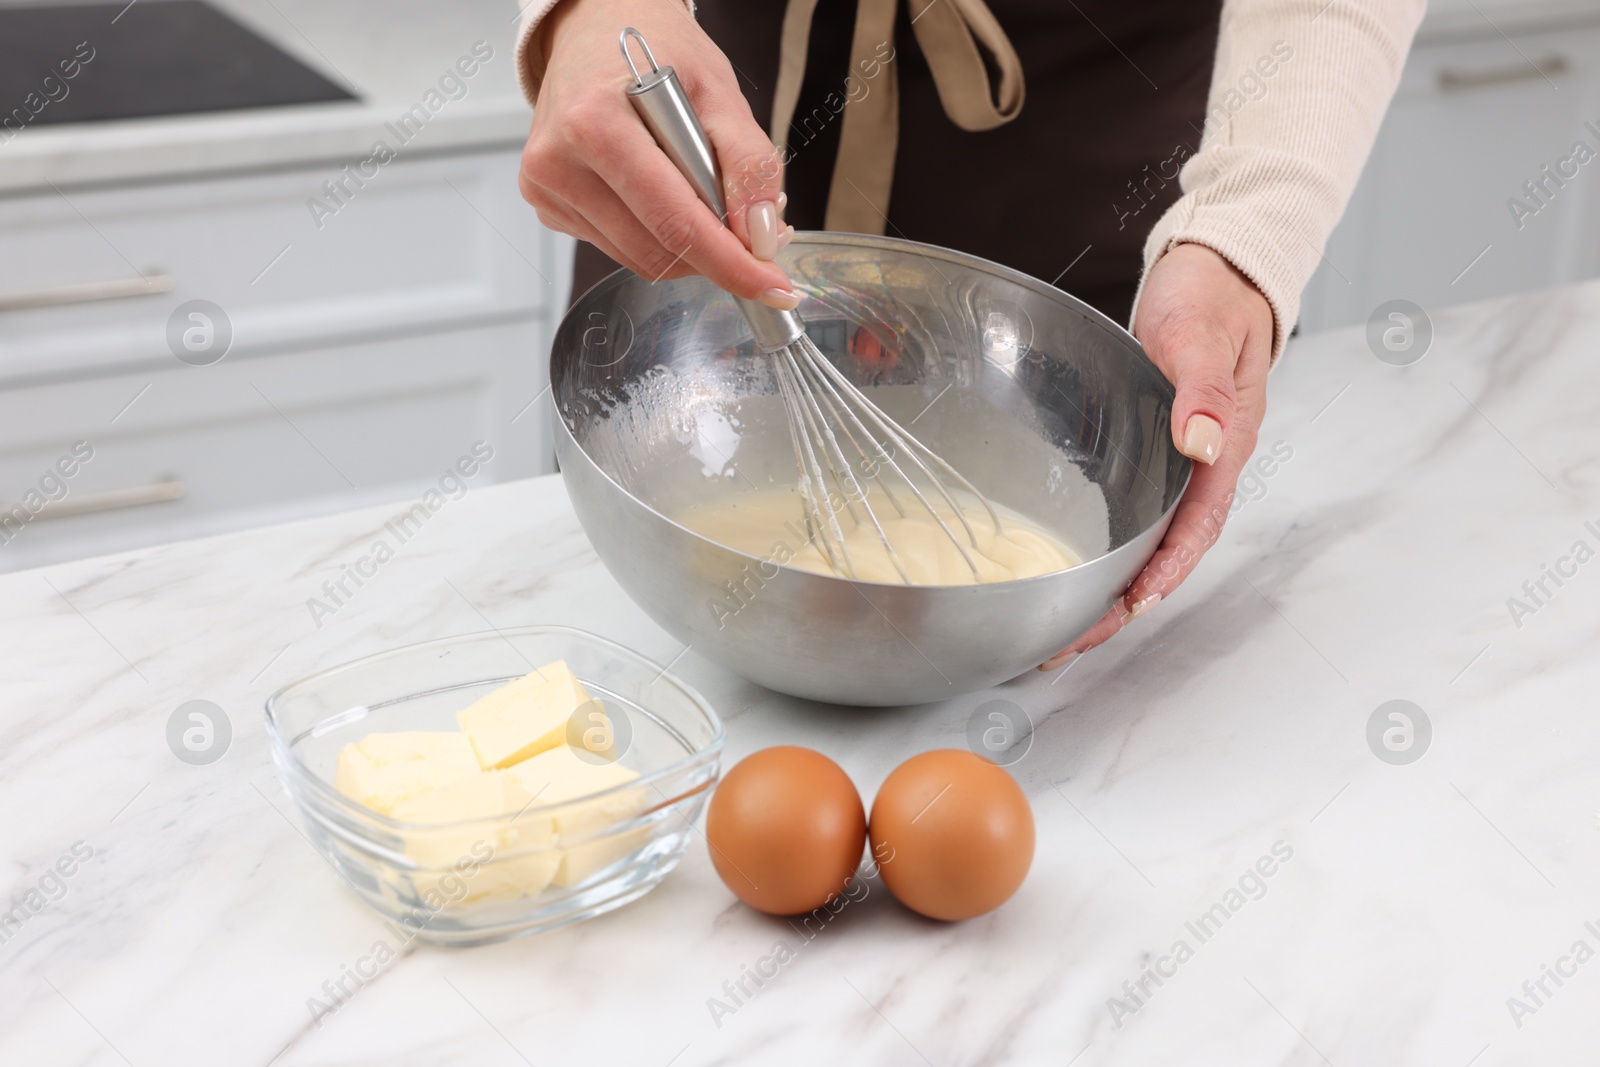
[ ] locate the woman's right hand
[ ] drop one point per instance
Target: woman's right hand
(592, 170)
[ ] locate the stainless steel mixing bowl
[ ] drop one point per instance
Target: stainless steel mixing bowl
(1045, 404)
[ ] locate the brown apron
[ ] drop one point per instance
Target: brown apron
(1064, 187)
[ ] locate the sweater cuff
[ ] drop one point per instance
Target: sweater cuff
(530, 46)
(1266, 213)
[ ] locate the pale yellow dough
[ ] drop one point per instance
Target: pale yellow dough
(770, 524)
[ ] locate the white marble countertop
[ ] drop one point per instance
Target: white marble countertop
(1377, 565)
(388, 52)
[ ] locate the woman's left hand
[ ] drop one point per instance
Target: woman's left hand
(1210, 331)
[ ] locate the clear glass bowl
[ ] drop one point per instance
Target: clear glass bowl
(463, 883)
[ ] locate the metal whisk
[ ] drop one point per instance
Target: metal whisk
(821, 403)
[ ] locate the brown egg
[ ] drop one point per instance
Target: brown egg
(952, 834)
(786, 828)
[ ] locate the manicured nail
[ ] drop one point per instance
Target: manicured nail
(1202, 438)
(1140, 607)
(1060, 659)
(780, 299)
(785, 237)
(783, 202)
(761, 219)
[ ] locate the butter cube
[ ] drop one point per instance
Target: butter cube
(525, 717)
(511, 878)
(382, 770)
(471, 862)
(560, 775)
(481, 795)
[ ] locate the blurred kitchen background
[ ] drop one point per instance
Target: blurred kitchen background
(212, 276)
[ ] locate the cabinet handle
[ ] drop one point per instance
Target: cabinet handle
(157, 281)
(114, 500)
(1455, 81)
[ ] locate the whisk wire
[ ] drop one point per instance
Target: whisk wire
(820, 517)
(870, 463)
(822, 403)
(818, 392)
(843, 472)
(828, 382)
(913, 448)
(879, 457)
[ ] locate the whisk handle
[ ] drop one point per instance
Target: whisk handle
(664, 107)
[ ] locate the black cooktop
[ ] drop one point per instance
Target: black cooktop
(87, 62)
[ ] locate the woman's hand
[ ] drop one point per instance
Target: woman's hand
(1210, 332)
(592, 170)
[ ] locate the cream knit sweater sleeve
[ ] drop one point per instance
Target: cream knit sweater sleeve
(1298, 90)
(530, 46)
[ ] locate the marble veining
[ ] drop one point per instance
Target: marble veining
(1229, 725)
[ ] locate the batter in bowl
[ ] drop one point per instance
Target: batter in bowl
(771, 524)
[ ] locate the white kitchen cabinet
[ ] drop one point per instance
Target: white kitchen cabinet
(367, 354)
(427, 243)
(253, 441)
(1475, 116)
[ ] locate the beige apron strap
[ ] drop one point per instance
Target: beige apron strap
(791, 67)
(863, 173)
(945, 31)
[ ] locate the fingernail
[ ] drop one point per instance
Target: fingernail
(1202, 438)
(1060, 659)
(1141, 607)
(783, 202)
(780, 299)
(762, 220)
(785, 237)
